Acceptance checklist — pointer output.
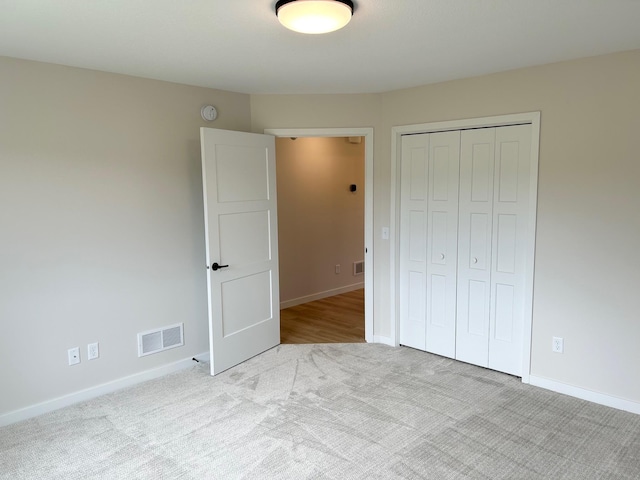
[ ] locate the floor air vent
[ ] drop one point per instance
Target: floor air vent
(155, 341)
(358, 268)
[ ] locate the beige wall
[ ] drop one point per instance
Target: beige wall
(587, 262)
(102, 231)
(320, 222)
(101, 215)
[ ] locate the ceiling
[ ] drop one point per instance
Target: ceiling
(240, 46)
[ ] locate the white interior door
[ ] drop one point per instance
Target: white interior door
(239, 188)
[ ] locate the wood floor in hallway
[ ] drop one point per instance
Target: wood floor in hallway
(337, 319)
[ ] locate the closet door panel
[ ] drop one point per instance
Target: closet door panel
(437, 300)
(510, 231)
(444, 172)
(506, 248)
(477, 154)
(480, 171)
(413, 240)
(478, 307)
(413, 326)
(417, 241)
(504, 313)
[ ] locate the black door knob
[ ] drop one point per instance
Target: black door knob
(215, 266)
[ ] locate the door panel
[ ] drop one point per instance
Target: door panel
(506, 243)
(241, 173)
(418, 179)
(238, 314)
(510, 224)
(474, 266)
(480, 171)
(428, 225)
(413, 240)
(508, 163)
(245, 237)
(238, 173)
(437, 301)
(478, 320)
(417, 240)
(442, 170)
(413, 327)
(504, 313)
(444, 165)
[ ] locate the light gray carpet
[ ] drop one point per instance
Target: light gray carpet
(328, 412)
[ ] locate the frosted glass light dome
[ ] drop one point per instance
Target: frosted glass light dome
(314, 16)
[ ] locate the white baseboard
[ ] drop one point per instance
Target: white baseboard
(93, 392)
(584, 394)
(383, 340)
(320, 295)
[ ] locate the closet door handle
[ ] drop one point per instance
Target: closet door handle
(215, 266)
(442, 256)
(475, 260)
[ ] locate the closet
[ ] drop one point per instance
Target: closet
(465, 201)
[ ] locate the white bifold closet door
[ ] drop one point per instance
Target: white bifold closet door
(463, 249)
(492, 248)
(428, 250)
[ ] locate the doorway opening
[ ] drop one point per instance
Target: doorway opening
(321, 239)
(324, 201)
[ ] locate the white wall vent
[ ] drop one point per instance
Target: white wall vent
(358, 268)
(154, 341)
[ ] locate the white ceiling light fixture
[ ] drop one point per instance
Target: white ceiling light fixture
(314, 16)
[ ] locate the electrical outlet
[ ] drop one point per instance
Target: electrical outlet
(337, 269)
(93, 351)
(74, 355)
(557, 345)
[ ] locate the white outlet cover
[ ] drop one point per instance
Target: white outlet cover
(93, 351)
(557, 345)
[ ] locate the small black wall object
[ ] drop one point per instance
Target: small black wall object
(352, 187)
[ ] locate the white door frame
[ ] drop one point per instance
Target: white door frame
(367, 133)
(532, 118)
